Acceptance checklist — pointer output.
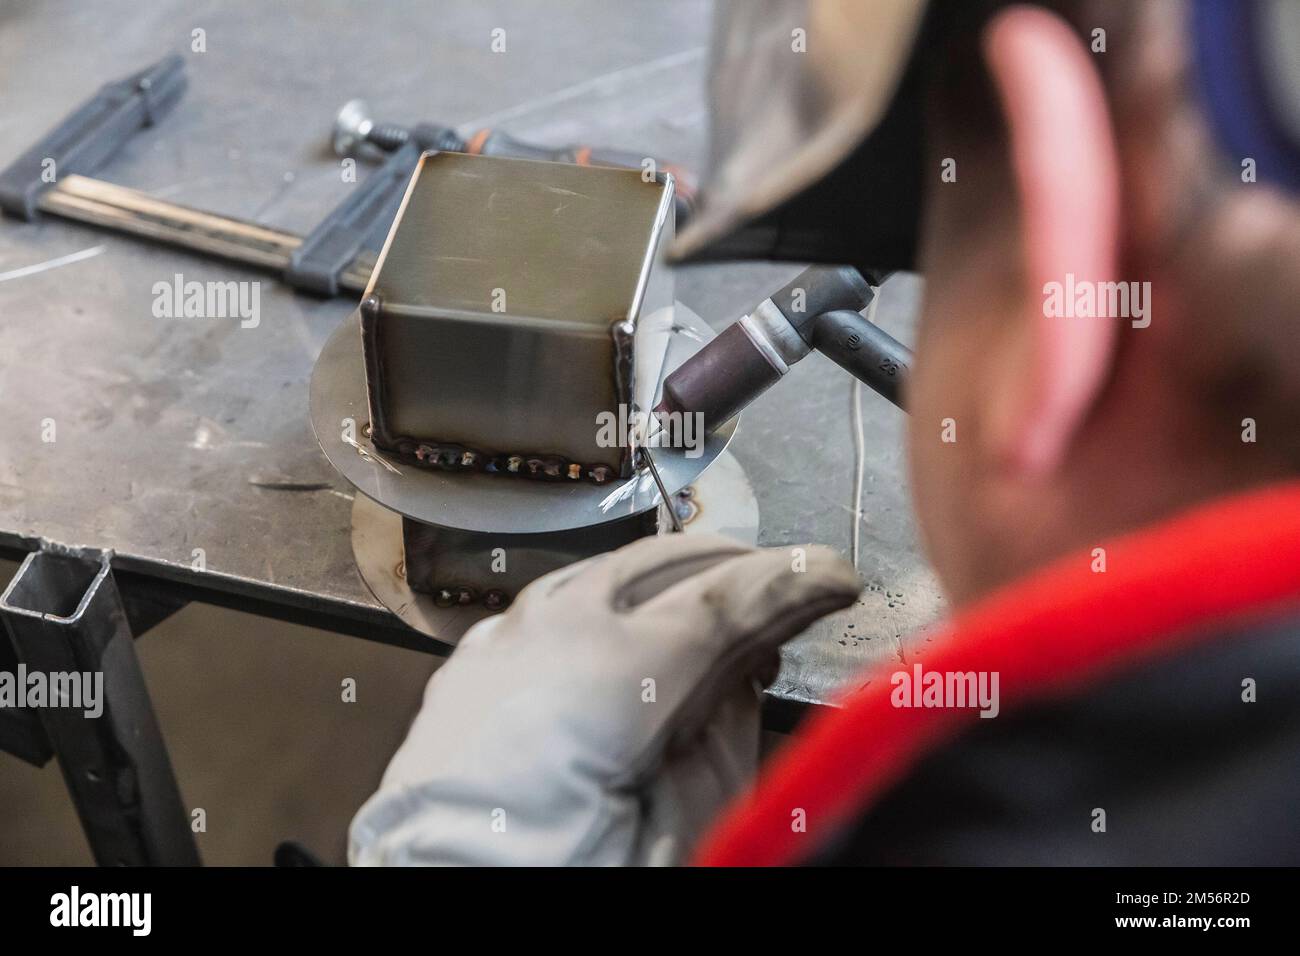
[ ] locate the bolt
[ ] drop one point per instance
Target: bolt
(354, 127)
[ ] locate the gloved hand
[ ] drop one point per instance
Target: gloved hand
(607, 716)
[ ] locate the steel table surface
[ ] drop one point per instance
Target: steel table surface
(173, 435)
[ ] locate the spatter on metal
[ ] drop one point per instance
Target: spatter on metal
(459, 458)
(462, 595)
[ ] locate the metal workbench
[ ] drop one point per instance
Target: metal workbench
(179, 438)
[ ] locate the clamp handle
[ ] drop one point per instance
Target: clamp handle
(91, 134)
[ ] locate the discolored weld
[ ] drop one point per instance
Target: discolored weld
(459, 458)
(686, 505)
(462, 595)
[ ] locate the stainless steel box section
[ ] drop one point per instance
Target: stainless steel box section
(506, 311)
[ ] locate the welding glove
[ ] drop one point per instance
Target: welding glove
(607, 716)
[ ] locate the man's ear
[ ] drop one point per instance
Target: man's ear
(1066, 171)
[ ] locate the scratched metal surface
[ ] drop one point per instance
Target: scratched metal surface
(173, 434)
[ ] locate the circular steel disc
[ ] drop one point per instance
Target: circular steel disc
(496, 504)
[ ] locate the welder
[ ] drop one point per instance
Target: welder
(1111, 506)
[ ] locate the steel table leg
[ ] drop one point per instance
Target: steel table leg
(65, 616)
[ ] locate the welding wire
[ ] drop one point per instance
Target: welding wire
(859, 468)
(859, 452)
(663, 492)
(658, 427)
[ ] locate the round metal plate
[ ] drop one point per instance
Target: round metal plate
(486, 503)
(721, 501)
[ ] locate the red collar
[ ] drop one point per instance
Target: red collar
(1165, 587)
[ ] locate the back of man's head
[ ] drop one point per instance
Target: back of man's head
(1110, 329)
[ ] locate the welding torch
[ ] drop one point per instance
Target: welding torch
(819, 309)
